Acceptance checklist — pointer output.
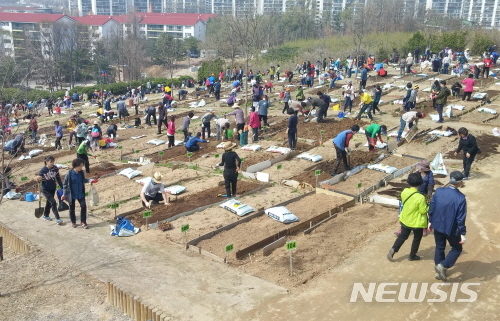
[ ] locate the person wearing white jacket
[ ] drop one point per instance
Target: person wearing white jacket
(409, 63)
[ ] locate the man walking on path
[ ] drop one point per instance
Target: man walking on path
(447, 213)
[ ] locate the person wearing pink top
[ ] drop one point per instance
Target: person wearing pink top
(171, 132)
(254, 122)
(469, 87)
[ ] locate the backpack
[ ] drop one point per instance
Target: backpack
(95, 132)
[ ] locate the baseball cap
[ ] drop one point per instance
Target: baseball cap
(456, 177)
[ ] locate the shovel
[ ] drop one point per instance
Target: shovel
(349, 158)
(39, 211)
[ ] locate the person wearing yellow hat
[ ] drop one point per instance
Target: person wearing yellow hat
(232, 163)
(153, 191)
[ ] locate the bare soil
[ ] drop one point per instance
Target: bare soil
(335, 240)
(487, 143)
(366, 177)
(248, 233)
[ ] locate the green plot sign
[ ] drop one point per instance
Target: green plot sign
(185, 228)
(292, 245)
(229, 247)
(147, 214)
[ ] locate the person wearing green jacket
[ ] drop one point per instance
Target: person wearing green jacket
(83, 154)
(441, 99)
(373, 132)
(413, 217)
(300, 94)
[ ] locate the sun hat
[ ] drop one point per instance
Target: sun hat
(96, 122)
(229, 146)
(236, 105)
(157, 176)
(424, 165)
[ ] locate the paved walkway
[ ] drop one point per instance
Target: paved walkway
(175, 281)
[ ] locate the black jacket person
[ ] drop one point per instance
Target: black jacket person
(231, 162)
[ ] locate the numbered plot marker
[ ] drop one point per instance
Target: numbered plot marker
(147, 214)
(317, 172)
(279, 166)
(292, 245)
(120, 147)
(185, 228)
(161, 153)
(360, 184)
(229, 248)
(217, 155)
(24, 178)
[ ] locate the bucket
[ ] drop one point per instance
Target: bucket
(29, 197)
(341, 115)
(336, 107)
(229, 133)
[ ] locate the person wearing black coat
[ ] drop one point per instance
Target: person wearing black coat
(468, 145)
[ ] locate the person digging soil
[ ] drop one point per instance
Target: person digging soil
(341, 144)
(153, 191)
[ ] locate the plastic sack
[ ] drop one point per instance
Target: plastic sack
(93, 196)
(12, 195)
(456, 107)
(156, 142)
(175, 189)
(276, 149)
(479, 95)
(143, 180)
(281, 214)
(23, 157)
(220, 145)
(487, 110)
(202, 103)
(383, 168)
(130, 173)
(35, 152)
(496, 131)
(379, 145)
(124, 228)
(310, 157)
(252, 147)
(237, 207)
(178, 142)
(444, 133)
(437, 165)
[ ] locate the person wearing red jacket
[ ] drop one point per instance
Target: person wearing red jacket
(488, 63)
(254, 123)
(34, 128)
(171, 132)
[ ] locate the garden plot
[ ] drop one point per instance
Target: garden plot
(184, 203)
(399, 161)
(261, 227)
(323, 249)
(129, 189)
(482, 114)
(367, 177)
(487, 143)
(215, 217)
(324, 131)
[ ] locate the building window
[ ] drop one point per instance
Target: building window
(187, 35)
(95, 28)
(7, 41)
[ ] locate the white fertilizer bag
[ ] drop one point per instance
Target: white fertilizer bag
(221, 145)
(395, 134)
(175, 189)
(23, 157)
(130, 173)
(496, 131)
(487, 110)
(156, 142)
(61, 166)
(457, 107)
(383, 168)
(35, 152)
(143, 180)
(276, 149)
(437, 165)
(310, 157)
(237, 207)
(202, 103)
(387, 86)
(281, 214)
(479, 95)
(428, 89)
(379, 145)
(178, 142)
(137, 137)
(252, 147)
(444, 133)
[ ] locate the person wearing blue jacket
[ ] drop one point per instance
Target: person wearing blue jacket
(447, 213)
(74, 190)
(59, 134)
(364, 77)
(192, 143)
(341, 144)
